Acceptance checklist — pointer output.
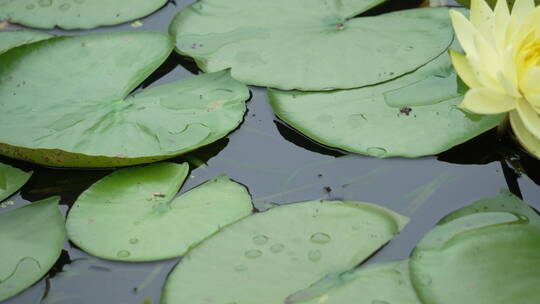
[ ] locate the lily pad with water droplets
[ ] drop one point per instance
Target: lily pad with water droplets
(414, 115)
(75, 14)
(131, 215)
(488, 252)
(83, 117)
(11, 180)
(268, 256)
(382, 283)
(309, 45)
(32, 238)
(11, 39)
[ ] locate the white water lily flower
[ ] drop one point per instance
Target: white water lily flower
(502, 64)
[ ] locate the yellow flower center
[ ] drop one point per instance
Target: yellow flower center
(531, 53)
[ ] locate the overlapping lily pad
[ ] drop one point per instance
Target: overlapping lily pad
(64, 100)
(382, 283)
(309, 45)
(11, 39)
(488, 252)
(32, 238)
(76, 14)
(268, 256)
(414, 115)
(131, 215)
(11, 180)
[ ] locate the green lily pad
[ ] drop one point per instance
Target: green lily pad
(11, 39)
(381, 283)
(485, 253)
(11, 180)
(83, 117)
(414, 115)
(32, 238)
(131, 215)
(309, 45)
(268, 256)
(76, 14)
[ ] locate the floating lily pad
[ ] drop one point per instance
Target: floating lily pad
(414, 115)
(309, 45)
(485, 253)
(83, 117)
(131, 215)
(32, 238)
(11, 39)
(268, 256)
(382, 283)
(11, 180)
(76, 14)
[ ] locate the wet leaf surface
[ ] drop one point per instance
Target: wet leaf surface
(96, 125)
(488, 252)
(11, 39)
(131, 215)
(11, 180)
(272, 44)
(277, 252)
(32, 238)
(76, 14)
(382, 283)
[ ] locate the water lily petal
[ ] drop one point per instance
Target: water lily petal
(530, 118)
(464, 69)
(522, 8)
(502, 19)
(534, 100)
(487, 101)
(507, 85)
(465, 32)
(483, 20)
(530, 83)
(525, 138)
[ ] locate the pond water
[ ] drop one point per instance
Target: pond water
(278, 165)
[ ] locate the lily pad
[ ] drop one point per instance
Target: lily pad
(268, 256)
(83, 117)
(414, 115)
(382, 283)
(485, 253)
(131, 215)
(76, 14)
(11, 180)
(11, 39)
(32, 238)
(309, 45)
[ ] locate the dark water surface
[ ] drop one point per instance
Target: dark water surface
(278, 165)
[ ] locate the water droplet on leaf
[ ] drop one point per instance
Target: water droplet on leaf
(314, 255)
(253, 254)
(260, 240)
(320, 238)
(123, 254)
(277, 248)
(376, 151)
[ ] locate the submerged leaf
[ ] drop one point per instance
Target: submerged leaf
(131, 215)
(32, 238)
(11, 39)
(488, 252)
(307, 44)
(11, 180)
(83, 118)
(382, 283)
(76, 14)
(268, 256)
